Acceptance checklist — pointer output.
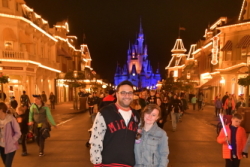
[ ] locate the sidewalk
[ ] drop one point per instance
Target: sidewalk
(66, 146)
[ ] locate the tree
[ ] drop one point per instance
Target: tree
(245, 82)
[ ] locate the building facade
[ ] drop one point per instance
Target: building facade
(138, 68)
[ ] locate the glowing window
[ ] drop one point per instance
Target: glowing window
(8, 45)
(228, 55)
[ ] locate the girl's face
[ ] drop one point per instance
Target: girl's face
(151, 118)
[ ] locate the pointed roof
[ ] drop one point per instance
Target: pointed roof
(158, 69)
(178, 47)
(191, 50)
(141, 30)
(142, 70)
(125, 69)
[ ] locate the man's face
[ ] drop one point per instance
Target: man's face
(124, 96)
(236, 122)
(143, 95)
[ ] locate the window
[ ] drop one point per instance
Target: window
(5, 3)
(228, 55)
(8, 45)
(243, 53)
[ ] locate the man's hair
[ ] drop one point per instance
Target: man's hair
(124, 83)
(238, 116)
(24, 91)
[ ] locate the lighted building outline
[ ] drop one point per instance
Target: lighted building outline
(138, 68)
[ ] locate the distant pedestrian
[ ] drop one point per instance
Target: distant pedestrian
(9, 135)
(229, 105)
(135, 104)
(110, 98)
(175, 112)
(52, 99)
(13, 102)
(38, 117)
(224, 98)
(2, 94)
(152, 98)
(240, 103)
(218, 106)
(237, 139)
(24, 99)
(193, 101)
(200, 99)
(151, 145)
(164, 113)
(44, 97)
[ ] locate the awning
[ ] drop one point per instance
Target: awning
(212, 82)
(9, 35)
(228, 46)
(23, 38)
(244, 42)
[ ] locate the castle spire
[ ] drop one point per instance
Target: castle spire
(133, 71)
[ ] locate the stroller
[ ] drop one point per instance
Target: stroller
(227, 120)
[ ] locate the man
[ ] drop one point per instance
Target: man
(4, 96)
(13, 102)
(44, 97)
(200, 99)
(24, 99)
(114, 131)
(224, 98)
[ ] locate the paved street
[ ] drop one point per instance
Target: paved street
(192, 145)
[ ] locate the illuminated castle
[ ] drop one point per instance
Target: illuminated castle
(138, 69)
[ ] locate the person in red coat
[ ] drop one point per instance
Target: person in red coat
(237, 139)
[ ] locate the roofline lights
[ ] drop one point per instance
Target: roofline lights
(218, 22)
(70, 45)
(235, 66)
(32, 62)
(243, 4)
(30, 22)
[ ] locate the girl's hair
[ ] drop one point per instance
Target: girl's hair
(40, 98)
(148, 110)
(3, 107)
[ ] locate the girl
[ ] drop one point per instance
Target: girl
(22, 119)
(152, 141)
(9, 135)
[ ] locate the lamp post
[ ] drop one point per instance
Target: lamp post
(75, 102)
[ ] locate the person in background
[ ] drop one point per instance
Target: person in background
(24, 99)
(193, 101)
(108, 99)
(163, 119)
(143, 99)
(44, 97)
(176, 109)
(229, 105)
(151, 145)
(240, 103)
(224, 98)
(52, 99)
(9, 135)
(200, 99)
(237, 139)
(135, 104)
(10, 110)
(39, 116)
(218, 106)
(4, 96)
(13, 102)
(23, 119)
(152, 98)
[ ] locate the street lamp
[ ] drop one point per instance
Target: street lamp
(75, 102)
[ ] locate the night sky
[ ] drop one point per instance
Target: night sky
(109, 25)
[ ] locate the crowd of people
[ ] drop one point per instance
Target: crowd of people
(129, 129)
(17, 122)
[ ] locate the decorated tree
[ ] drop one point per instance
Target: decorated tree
(3, 80)
(245, 82)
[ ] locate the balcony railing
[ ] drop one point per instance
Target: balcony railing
(8, 54)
